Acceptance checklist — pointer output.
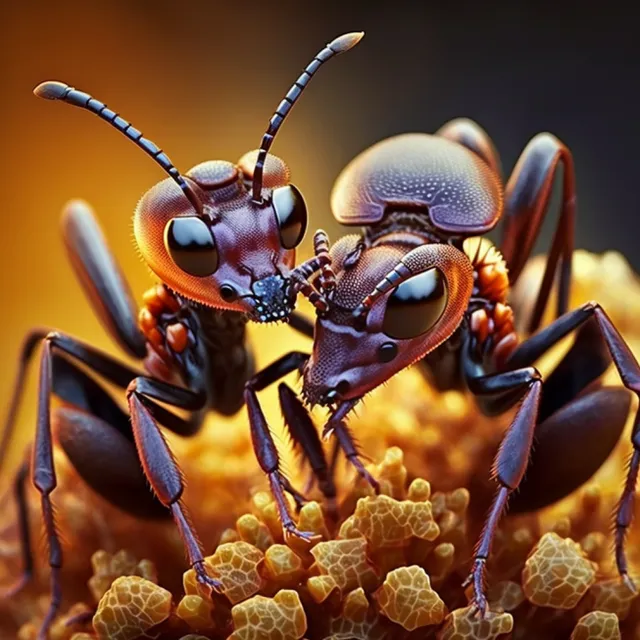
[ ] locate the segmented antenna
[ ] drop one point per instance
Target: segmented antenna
(53, 90)
(339, 45)
(398, 274)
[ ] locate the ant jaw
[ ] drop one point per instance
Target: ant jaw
(271, 299)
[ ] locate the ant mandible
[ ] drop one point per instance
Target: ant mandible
(422, 285)
(221, 238)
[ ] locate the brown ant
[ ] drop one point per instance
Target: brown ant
(421, 285)
(221, 238)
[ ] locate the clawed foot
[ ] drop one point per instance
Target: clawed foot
(629, 582)
(290, 529)
(479, 603)
(204, 578)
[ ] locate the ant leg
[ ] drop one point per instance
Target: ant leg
(471, 135)
(43, 476)
(30, 342)
(305, 438)
(101, 277)
(301, 324)
(346, 442)
(510, 463)
(263, 444)
(19, 488)
(527, 196)
(158, 462)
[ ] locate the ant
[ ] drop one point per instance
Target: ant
(221, 239)
(420, 284)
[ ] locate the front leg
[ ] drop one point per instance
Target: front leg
(160, 467)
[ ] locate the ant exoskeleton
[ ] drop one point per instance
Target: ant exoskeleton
(221, 238)
(421, 285)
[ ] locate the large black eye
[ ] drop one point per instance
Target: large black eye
(416, 305)
(291, 214)
(191, 246)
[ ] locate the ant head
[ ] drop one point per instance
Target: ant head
(235, 254)
(390, 308)
(223, 234)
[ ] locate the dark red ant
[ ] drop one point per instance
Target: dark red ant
(420, 285)
(222, 240)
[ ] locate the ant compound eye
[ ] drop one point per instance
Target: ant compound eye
(191, 246)
(387, 352)
(228, 293)
(415, 305)
(291, 215)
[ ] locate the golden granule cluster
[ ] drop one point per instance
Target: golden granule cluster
(388, 566)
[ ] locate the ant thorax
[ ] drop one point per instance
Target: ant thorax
(491, 323)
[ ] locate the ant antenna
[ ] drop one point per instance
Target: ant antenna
(339, 45)
(59, 91)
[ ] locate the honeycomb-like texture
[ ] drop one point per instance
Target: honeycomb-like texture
(406, 597)
(196, 611)
(431, 452)
(106, 568)
(236, 565)
(465, 624)
(385, 522)
(346, 562)
(357, 620)
(597, 625)
(279, 618)
(131, 607)
(557, 574)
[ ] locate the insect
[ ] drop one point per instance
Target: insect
(421, 285)
(221, 239)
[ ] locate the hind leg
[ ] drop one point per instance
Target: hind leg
(471, 135)
(513, 456)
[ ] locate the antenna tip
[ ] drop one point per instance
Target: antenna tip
(50, 90)
(346, 41)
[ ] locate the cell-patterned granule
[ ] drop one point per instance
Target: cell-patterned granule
(107, 567)
(321, 587)
(131, 607)
(557, 573)
(505, 596)
(406, 597)
(279, 618)
(283, 566)
(386, 522)
(253, 531)
(392, 474)
(346, 562)
(237, 566)
(609, 596)
(357, 621)
(196, 612)
(597, 625)
(465, 624)
(310, 519)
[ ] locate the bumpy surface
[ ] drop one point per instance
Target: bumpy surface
(236, 566)
(464, 624)
(597, 625)
(406, 597)
(278, 618)
(557, 574)
(131, 607)
(379, 562)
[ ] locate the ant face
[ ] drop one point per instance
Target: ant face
(427, 292)
(222, 234)
(236, 254)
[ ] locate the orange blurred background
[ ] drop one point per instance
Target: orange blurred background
(201, 79)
